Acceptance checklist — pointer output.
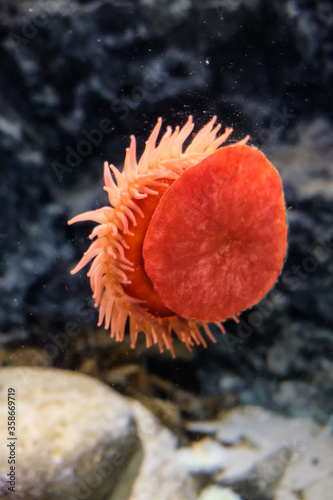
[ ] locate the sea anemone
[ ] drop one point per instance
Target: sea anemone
(191, 236)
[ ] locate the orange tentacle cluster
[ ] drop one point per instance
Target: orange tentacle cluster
(121, 286)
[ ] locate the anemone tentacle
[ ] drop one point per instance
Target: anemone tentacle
(159, 163)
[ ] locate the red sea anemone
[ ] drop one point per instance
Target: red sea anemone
(191, 236)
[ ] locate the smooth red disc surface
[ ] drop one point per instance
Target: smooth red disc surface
(217, 240)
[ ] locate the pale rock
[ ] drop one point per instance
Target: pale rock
(262, 479)
(218, 493)
(161, 475)
(204, 456)
(322, 490)
(310, 475)
(272, 457)
(75, 435)
(78, 438)
(257, 434)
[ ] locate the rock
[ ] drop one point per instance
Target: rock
(161, 476)
(261, 481)
(268, 456)
(311, 471)
(77, 438)
(218, 493)
(205, 456)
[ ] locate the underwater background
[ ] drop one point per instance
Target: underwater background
(77, 78)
